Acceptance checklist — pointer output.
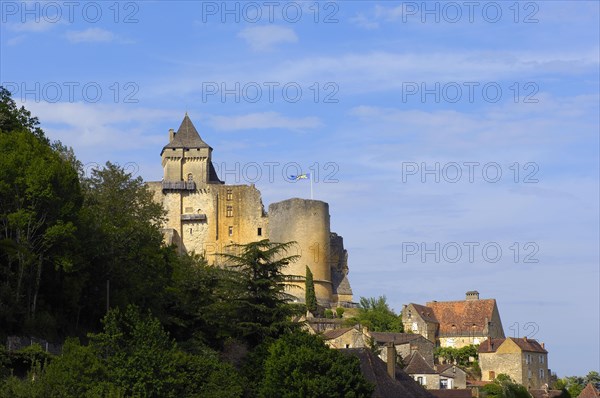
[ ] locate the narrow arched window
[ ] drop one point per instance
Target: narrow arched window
(190, 177)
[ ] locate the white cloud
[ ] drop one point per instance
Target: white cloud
(263, 120)
(32, 26)
(13, 41)
(263, 38)
(90, 35)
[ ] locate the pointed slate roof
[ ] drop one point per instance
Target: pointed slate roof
(187, 136)
(418, 365)
(375, 371)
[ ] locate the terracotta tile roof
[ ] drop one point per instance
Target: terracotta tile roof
(459, 316)
(425, 312)
(396, 338)
(416, 364)
(331, 334)
(589, 392)
(525, 344)
(375, 371)
(453, 393)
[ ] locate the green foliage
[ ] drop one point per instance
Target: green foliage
(260, 305)
(310, 297)
(339, 311)
(301, 365)
(504, 387)
(328, 313)
(4, 363)
(575, 384)
(459, 356)
(40, 197)
(376, 314)
(13, 118)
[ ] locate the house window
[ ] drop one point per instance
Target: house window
(230, 231)
(259, 232)
(529, 374)
(542, 374)
(420, 380)
(415, 327)
(492, 375)
(347, 345)
(443, 384)
(229, 211)
(229, 194)
(541, 358)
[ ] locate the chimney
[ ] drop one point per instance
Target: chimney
(543, 345)
(172, 134)
(472, 295)
(391, 359)
(525, 338)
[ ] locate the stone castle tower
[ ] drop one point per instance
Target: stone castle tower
(205, 215)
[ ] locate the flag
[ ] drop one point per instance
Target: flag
(300, 177)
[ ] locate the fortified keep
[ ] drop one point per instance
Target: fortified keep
(205, 216)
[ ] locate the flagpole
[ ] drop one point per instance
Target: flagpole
(311, 188)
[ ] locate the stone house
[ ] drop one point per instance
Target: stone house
(455, 323)
(405, 343)
(424, 374)
(524, 360)
(390, 381)
(451, 376)
(353, 337)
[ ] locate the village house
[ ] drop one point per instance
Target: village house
(451, 376)
(424, 374)
(524, 360)
(405, 343)
(455, 323)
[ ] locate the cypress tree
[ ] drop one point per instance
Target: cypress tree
(310, 297)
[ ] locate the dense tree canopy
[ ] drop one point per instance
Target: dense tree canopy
(376, 314)
(301, 365)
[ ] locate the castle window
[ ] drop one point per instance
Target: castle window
(229, 194)
(259, 232)
(230, 231)
(190, 177)
(229, 211)
(542, 374)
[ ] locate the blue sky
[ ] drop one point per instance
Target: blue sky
(406, 112)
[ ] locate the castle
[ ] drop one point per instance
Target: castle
(205, 216)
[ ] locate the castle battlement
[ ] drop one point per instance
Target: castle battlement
(205, 216)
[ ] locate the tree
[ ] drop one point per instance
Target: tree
(310, 297)
(261, 306)
(123, 246)
(376, 314)
(142, 359)
(505, 387)
(14, 119)
(301, 365)
(40, 198)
